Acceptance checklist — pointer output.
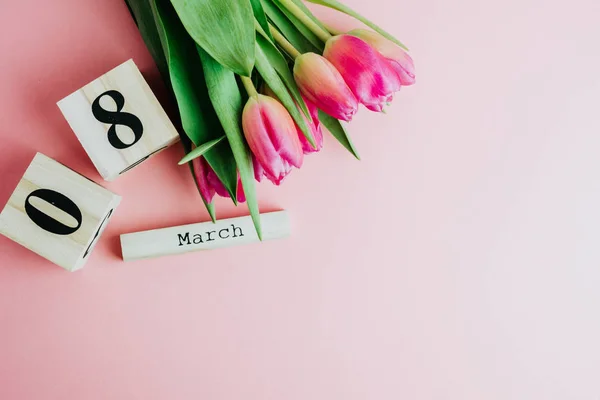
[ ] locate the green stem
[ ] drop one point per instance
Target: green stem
(284, 43)
(305, 19)
(250, 89)
(332, 30)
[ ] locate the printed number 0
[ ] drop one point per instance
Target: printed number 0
(115, 118)
(59, 201)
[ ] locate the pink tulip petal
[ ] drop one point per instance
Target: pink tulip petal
(399, 59)
(259, 171)
(406, 75)
(277, 179)
(216, 183)
(241, 195)
(201, 170)
(313, 123)
(315, 127)
(282, 131)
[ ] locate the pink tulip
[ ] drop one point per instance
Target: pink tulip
(399, 59)
(209, 183)
(314, 124)
(271, 134)
(323, 85)
(368, 74)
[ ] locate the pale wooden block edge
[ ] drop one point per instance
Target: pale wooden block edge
(110, 212)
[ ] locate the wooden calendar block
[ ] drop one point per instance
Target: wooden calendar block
(118, 120)
(202, 236)
(57, 213)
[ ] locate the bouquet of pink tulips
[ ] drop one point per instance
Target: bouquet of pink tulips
(256, 81)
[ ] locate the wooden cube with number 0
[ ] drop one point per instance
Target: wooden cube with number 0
(57, 213)
(118, 120)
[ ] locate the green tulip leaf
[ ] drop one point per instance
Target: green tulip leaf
(307, 33)
(271, 77)
(287, 28)
(259, 28)
(336, 5)
(227, 101)
(337, 130)
(200, 150)
(261, 17)
(277, 60)
(142, 14)
(198, 117)
(223, 28)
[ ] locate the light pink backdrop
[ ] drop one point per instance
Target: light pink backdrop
(459, 260)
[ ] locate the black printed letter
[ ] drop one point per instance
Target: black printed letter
(224, 230)
(183, 239)
(235, 232)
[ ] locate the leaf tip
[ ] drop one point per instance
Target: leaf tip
(211, 211)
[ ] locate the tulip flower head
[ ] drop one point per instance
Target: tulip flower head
(368, 74)
(209, 184)
(399, 59)
(271, 134)
(323, 85)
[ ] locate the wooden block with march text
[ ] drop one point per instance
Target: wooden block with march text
(118, 120)
(57, 213)
(202, 236)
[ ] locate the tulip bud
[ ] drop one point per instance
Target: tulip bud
(209, 183)
(399, 59)
(271, 134)
(368, 74)
(322, 84)
(314, 124)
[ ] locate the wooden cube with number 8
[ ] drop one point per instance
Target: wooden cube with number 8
(118, 120)
(57, 213)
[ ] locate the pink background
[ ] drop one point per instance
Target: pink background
(458, 260)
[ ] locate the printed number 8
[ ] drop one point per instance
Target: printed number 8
(117, 118)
